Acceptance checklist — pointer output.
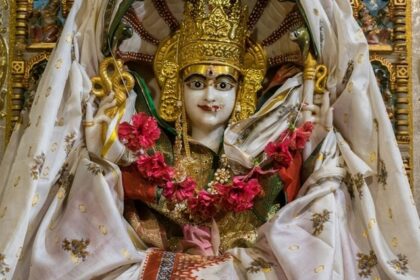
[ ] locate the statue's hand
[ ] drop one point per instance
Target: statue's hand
(93, 123)
(322, 116)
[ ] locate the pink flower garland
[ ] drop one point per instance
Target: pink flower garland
(154, 169)
(238, 196)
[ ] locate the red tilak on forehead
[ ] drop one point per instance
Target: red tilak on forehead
(210, 71)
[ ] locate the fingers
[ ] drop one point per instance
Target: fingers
(102, 119)
(107, 99)
(325, 103)
(329, 119)
(89, 112)
(312, 108)
(105, 106)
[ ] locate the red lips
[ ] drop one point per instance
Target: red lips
(208, 108)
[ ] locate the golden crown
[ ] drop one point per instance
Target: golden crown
(213, 30)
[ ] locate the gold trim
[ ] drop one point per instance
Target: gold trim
(380, 48)
(12, 30)
(410, 91)
(41, 46)
(30, 64)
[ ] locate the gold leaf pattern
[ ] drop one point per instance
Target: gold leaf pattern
(400, 264)
(318, 220)
(319, 269)
(103, 229)
(358, 183)
(4, 267)
(69, 140)
(36, 168)
(383, 174)
(348, 181)
(65, 178)
(94, 168)
(259, 265)
(77, 248)
(366, 262)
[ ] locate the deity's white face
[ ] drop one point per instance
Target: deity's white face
(209, 98)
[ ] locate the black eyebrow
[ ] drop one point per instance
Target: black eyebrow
(195, 75)
(230, 77)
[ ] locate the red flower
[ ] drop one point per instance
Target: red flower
(179, 191)
(154, 169)
(240, 195)
(301, 135)
(279, 152)
(143, 133)
(204, 205)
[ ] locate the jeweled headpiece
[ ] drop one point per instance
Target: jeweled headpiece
(212, 32)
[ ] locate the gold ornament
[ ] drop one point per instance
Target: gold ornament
(213, 32)
(112, 78)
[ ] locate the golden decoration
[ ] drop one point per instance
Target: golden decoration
(394, 242)
(258, 265)
(319, 269)
(4, 267)
(294, 247)
(61, 193)
(35, 199)
(38, 163)
(18, 67)
(30, 64)
(77, 248)
(112, 78)
(103, 229)
(371, 223)
(318, 221)
(366, 263)
(82, 208)
(400, 265)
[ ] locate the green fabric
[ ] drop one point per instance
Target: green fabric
(313, 45)
(145, 103)
(309, 164)
(272, 186)
(122, 9)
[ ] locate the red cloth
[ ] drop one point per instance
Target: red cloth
(136, 188)
(291, 177)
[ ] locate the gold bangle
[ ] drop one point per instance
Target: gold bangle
(88, 123)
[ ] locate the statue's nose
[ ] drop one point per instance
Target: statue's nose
(210, 95)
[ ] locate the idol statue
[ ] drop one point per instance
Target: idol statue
(218, 139)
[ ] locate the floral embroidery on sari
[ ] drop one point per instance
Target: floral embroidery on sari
(36, 168)
(259, 265)
(94, 168)
(366, 262)
(77, 248)
(4, 267)
(318, 220)
(400, 264)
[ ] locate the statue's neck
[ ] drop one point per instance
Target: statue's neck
(210, 139)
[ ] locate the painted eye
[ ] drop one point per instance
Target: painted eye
(196, 85)
(224, 85)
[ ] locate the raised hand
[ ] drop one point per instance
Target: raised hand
(94, 124)
(322, 116)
